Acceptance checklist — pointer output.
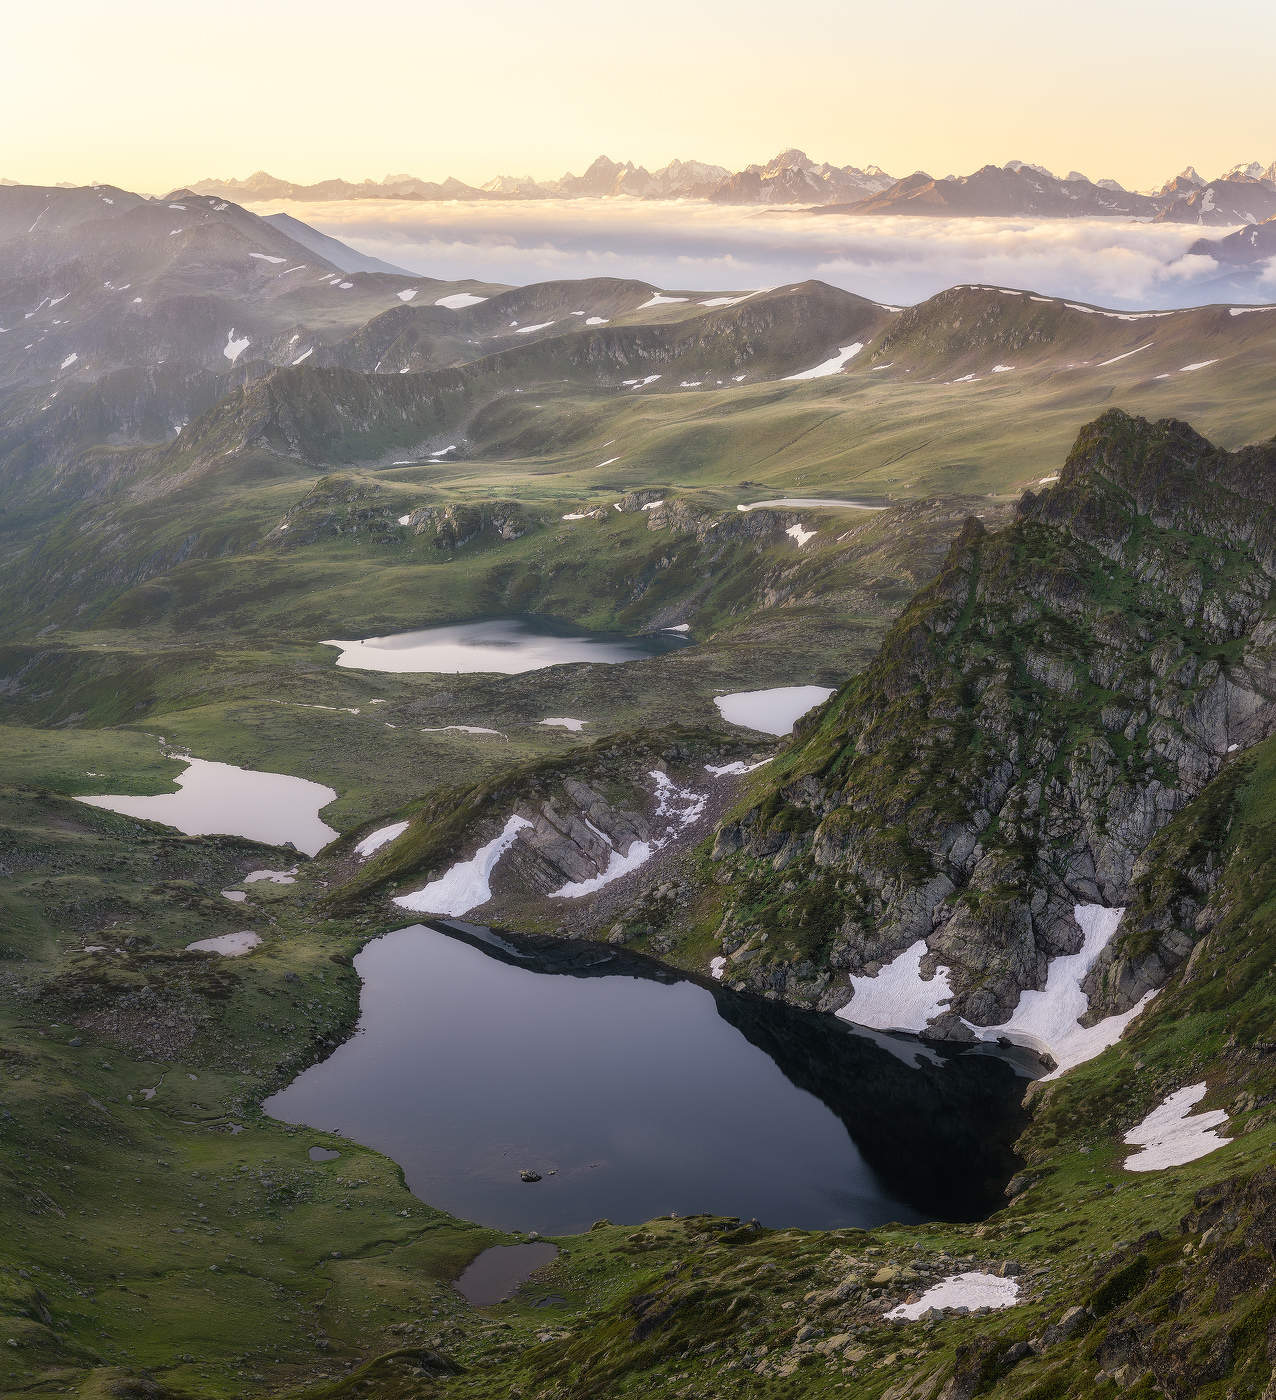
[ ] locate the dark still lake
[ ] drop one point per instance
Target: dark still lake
(631, 1092)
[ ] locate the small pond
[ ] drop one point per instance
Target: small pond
(627, 1091)
(506, 646)
(218, 799)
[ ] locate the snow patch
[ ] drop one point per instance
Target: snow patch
(1050, 1020)
(738, 767)
(659, 299)
(679, 807)
(1168, 1137)
(969, 1291)
(897, 999)
(795, 532)
(468, 883)
(457, 301)
(233, 348)
(229, 945)
(381, 837)
(575, 725)
(273, 877)
(833, 365)
(1126, 355)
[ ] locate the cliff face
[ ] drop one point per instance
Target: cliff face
(1034, 719)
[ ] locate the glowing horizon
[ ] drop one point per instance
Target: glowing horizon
(150, 96)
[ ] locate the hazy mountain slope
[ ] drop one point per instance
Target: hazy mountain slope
(1255, 243)
(1024, 191)
(1242, 200)
(333, 250)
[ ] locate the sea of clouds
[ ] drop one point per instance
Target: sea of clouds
(695, 245)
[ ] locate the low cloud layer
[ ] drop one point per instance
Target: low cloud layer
(702, 246)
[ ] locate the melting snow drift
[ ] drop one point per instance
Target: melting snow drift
(833, 365)
(229, 945)
(897, 999)
(1168, 1137)
(1050, 1020)
(381, 837)
(468, 883)
(970, 1290)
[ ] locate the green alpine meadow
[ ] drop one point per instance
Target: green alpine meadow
(647, 784)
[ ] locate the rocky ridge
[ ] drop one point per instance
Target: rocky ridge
(1036, 717)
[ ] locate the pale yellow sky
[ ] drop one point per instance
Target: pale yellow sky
(153, 93)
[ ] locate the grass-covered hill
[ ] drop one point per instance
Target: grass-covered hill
(164, 1239)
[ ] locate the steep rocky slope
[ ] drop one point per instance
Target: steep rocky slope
(1035, 718)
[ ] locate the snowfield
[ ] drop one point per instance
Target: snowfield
(833, 365)
(1171, 1135)
(381, 837)
(970, 1290)
(467, 884)
(897, 999)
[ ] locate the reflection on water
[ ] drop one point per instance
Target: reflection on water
(505, 645)
(496, 1274)
(218, 799)
(630, 1091)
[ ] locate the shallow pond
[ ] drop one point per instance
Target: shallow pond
(496, 1274)
(507, 646)
(773, 711)
(218, 799)
(812, 502)
(630, 1091)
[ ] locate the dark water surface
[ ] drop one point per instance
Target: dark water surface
(634, 1092)
(496, 1274)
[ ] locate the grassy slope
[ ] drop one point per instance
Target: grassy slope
(204, 664)
(160, 1236)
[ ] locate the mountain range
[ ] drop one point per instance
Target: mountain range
(1244, 194)
(1025, 825)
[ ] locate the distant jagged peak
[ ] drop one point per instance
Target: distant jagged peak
(1250, 170)
(791, 159)
(1017, 167)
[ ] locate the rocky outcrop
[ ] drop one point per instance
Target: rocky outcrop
(453, 526)
(1037, 716)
